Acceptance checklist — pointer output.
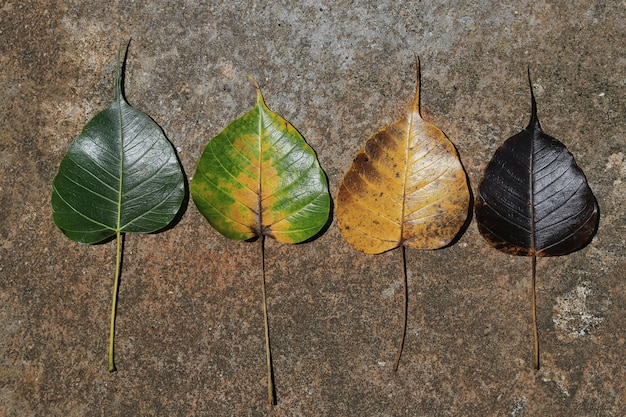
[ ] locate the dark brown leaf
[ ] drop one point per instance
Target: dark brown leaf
(534, 200)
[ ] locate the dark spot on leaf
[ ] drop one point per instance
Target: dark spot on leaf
(354, 183)
(373, 149)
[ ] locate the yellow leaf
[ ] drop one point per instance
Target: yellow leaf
(405, 187)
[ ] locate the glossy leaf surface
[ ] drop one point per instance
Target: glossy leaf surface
(120, 174)
(258, 177)
(534, 199)
(405, 187)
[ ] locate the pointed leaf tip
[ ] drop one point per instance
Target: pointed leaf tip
(259, 94)
(534, 120)
(121, 59)
(415, 104)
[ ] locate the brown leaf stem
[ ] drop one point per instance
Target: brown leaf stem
(534, 306)
(404, 310)
(271, 398)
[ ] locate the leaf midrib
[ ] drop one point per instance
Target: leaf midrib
(259, 216)
(120, 194)
(533, 230)
(406, 165)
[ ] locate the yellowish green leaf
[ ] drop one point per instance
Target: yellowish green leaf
(259, 178)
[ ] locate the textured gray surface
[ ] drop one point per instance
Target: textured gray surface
(189, 330)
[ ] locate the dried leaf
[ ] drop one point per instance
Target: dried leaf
(534, 200)
(406, 187)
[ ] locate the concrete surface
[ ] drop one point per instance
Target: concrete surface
(189, 330)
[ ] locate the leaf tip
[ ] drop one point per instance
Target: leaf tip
(121, 63)
(417, 66)
(534, 120)
(259, 95)
(415, 105)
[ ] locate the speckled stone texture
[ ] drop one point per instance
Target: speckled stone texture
(190, 330)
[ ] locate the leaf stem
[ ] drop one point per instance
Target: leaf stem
(118, 233)
(534, 306)
(404, 311)
(268, 354)
(116, 284)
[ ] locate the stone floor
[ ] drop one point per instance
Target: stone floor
(190, 329)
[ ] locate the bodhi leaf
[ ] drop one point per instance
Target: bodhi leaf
(406, 188)
(259, 178)
(534, 200)
(120, 175)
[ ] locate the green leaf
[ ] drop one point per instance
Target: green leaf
(258, 177)
(119, 175)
